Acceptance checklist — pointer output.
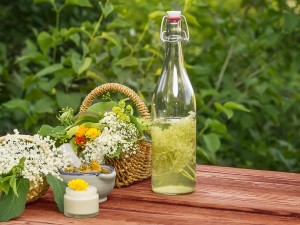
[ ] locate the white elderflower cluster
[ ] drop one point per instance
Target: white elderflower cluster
(116, 136)
(41, 156)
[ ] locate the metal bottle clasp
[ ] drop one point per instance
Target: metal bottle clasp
(173, 38)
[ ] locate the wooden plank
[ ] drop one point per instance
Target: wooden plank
(123, 211)
(223, 196)
(233, 191)
(250, 175)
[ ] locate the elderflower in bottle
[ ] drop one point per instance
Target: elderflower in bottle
(173, 115)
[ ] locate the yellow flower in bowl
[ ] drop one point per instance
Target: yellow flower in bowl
(78, 185)
(95, 166)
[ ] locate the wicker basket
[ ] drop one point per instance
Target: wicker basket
(137, 167)
(35, 192)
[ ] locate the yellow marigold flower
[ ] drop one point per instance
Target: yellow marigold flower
(95, 166)
(92, 133)
(81, 131)
(78, 185)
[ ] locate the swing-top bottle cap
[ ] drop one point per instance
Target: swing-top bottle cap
(173, 15)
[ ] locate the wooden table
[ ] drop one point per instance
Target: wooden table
(223, 196)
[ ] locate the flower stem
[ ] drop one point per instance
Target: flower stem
(187, 175)
(97, 25)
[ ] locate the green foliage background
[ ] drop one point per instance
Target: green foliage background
(243, 54)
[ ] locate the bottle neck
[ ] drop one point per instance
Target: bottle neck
(174, 42)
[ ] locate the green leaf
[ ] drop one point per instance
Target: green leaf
(101, 107)
(45, 41)
(140, 123)
(76, 61)
(43, 1)
(5, 186)
(50, 69)
(75, 38)
(212, 142)
(95, 76)
(59, 189)
(134, 121)
(8, 181)
(29, 81)
(291, 20)
(31, 56)
(218, 127)
(85, 119)
(228, 112)
(19, 167)
(85, 48)
(6, 178)
(13, 184)
(144, 123)
(48, 85)
(115, 51)
(86, 64)
(112, 37)
(83, 3)
(12, 206)
(236, 106)
(106, 9)
(44, 105)
(54, 132)
(205, 154)
(94, 125)
(71, 100)
(74, 30)
(153, 51)
(21, 104)
(119, 23)
(191, 19)
(87, 113)
(156, 14)
(127, 61)
(72, 131)
(70, 31)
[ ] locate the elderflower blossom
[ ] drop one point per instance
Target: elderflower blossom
(116, 136)
(41, 157)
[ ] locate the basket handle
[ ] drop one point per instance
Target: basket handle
(102, 89)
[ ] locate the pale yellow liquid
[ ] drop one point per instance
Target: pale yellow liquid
(174, 156)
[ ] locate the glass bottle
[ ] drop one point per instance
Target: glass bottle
(173, 112)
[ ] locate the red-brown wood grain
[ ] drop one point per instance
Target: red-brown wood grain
(223, 196)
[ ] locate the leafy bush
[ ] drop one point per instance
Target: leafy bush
(242, 55)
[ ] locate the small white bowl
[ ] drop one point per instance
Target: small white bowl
(103, 182)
